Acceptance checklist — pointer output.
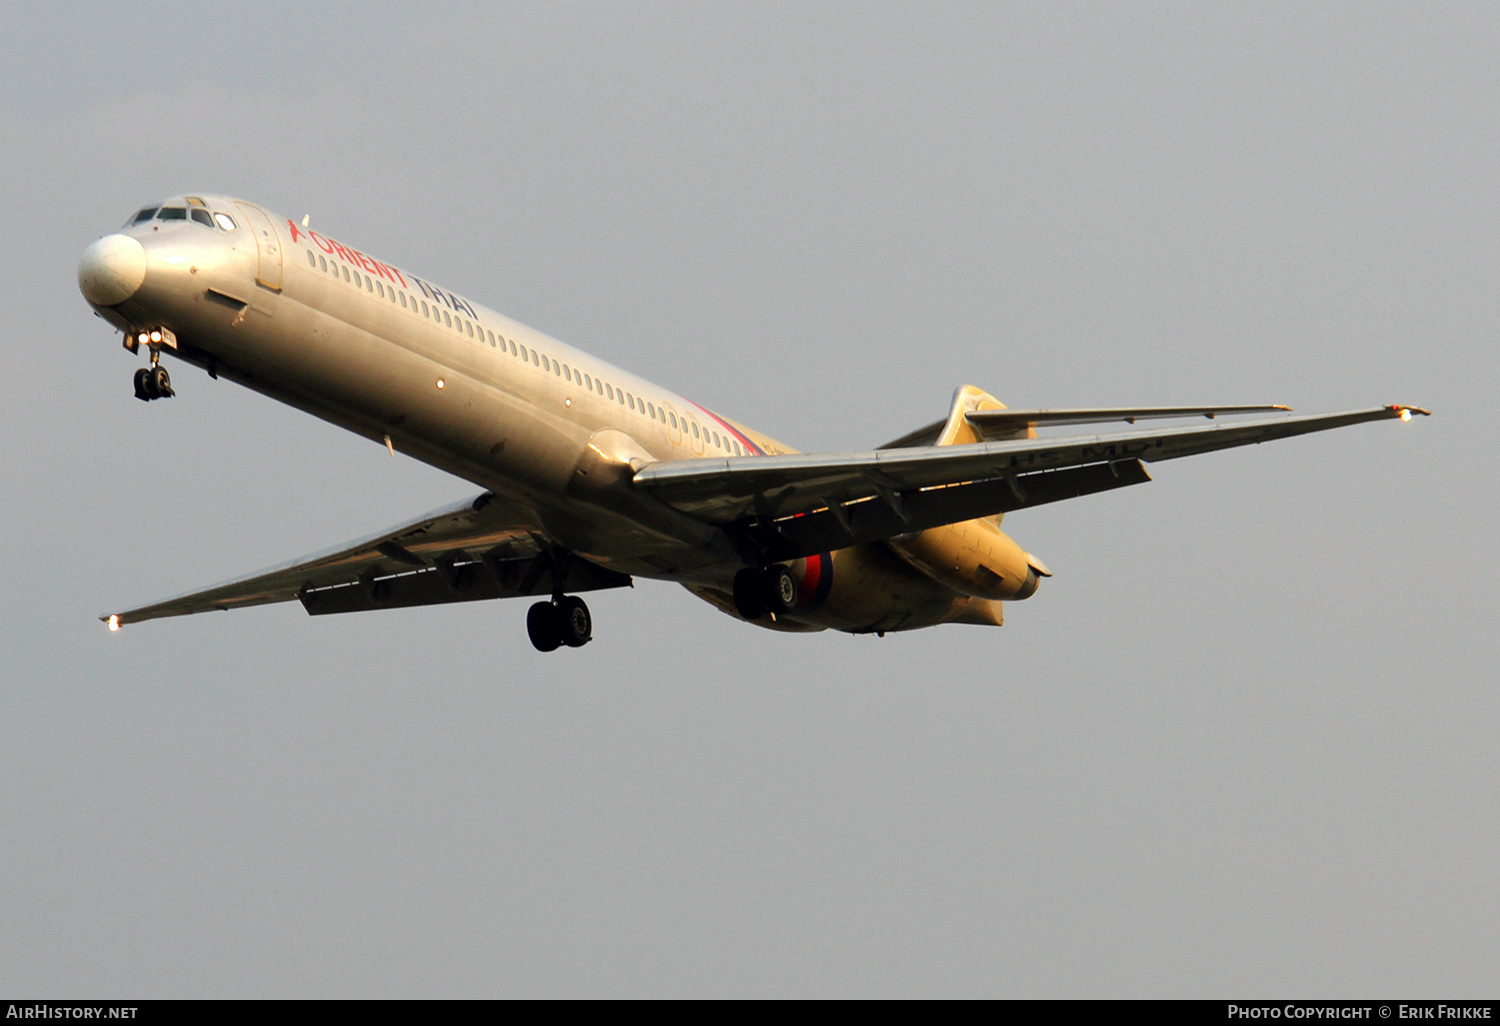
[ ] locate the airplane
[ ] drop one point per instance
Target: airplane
(590, 475)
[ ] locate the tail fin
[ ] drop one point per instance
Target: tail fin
(955, 430)
(969, 399)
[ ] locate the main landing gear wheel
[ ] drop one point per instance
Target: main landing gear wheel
(544, 627)
(758, 592)
(153, 383)
(564, 622)
(749, 597)
(577, 625)
(781, 589)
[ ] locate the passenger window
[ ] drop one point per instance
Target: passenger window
(201, 216)
(469, 328)
(403, 300)
(225, 222)
(695, 430)
(556, 369)
(651, 410)
(673, 418)
(609, 392)
(447, 320)
(173, 214)
(312, 261)
(345, 271)
(380, 290)
(390, 294)
(567, 372)
(512, 346)
(533, 358)
(322, 265)
(369, 285)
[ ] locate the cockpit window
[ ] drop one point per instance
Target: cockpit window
(173, 214)
(225, 222)
(201, 216)
(144, 215)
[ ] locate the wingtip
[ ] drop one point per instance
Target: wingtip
(112, 621)
(1407, 412)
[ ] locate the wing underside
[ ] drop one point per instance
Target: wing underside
(799, 504)
(785, 506)
(471, 550)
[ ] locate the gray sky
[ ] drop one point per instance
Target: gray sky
(1242, 744)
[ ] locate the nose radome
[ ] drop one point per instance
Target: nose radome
(111, 270)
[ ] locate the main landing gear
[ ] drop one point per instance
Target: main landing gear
(563, 621)
(758, 592)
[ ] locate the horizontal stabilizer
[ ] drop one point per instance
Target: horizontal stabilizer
(1003, 424)
(1008, 423)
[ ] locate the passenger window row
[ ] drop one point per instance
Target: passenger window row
(438, 315)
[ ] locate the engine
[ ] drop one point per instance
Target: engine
(973, 558)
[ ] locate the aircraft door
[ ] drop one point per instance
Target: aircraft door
(267, 244)
(693, 434)
(674, 426)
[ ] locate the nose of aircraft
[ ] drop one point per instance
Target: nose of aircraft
(111, 270)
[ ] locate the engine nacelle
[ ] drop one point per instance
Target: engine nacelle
(973, 558)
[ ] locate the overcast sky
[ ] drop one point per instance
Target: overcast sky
(1244, 742)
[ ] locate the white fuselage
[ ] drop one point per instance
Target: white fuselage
(553, 432)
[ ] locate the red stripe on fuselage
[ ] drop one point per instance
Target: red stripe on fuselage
(754, 449)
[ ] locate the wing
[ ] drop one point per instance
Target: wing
(833, 499)
(471, 550)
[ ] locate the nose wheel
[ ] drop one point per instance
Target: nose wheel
(563, 621)
(153, 383)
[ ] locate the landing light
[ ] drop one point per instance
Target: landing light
(143, 338)
(441, 383)
(1406, 415)
(114, 622)
(156, 336)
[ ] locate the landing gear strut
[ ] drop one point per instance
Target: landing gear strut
(758, 592)
(153, 382)
(563, 621)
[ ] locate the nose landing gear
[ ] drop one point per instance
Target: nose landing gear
(153, 383)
